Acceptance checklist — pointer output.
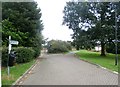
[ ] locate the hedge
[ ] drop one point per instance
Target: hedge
(4, 56)
(24, 55)
(36, 51)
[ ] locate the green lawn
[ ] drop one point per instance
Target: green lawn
(15, 73)
(94, 57)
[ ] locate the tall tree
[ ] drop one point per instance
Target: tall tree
(96, 17)
(25, 17)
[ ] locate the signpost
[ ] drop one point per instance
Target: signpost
(14, 42)
(9, 49)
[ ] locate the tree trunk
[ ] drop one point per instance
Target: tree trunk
(102, 49)
(77, 47)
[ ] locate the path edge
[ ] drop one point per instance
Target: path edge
(114, 72)
(26, 72)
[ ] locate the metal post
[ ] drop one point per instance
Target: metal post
(9, 49)
(116, 57)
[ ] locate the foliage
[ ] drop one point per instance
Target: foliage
(9, 30)
(95, 18)
(68, 45)
(23, 55)
(110, 48)
(36, 51)
(21, 20)
(58, 46)
(4, 56)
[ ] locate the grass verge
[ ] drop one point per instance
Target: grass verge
(94, 57)
(15, 73)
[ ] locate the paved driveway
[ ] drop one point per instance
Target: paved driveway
(66, 69)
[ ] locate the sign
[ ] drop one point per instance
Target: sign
(14, 42)
(116, 40)
(9, 49)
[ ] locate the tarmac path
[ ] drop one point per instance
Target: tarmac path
(66, 69)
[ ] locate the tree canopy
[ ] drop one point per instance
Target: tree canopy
(22, 21)
(92, 22)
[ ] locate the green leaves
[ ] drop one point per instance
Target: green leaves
(96, 18)
(57, 46)
(22, 20)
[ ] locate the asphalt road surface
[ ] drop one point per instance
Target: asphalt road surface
(66, 69)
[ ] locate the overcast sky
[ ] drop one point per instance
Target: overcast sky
(52, 16)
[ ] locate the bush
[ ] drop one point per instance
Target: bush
(111, 48)
(68, 45)
(24, 55)
(57, 46)
(4, 56)
(36, 51)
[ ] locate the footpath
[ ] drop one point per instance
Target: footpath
(66, 69)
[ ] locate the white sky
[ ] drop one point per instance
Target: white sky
(52, 16)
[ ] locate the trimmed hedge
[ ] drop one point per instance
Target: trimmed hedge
(24, 54)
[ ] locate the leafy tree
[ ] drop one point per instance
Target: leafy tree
(96, 17)
(9, 30)
(76, 18)
(24, 20)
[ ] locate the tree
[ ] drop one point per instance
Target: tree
(96, 17)
(105, 24)
(76, 18)
(58, 46)
(24, 20)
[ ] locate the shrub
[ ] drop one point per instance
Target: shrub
(24, 55)
(57, 46)
(111, 48)
(4, 56)
(68, 45)
(36, 51)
